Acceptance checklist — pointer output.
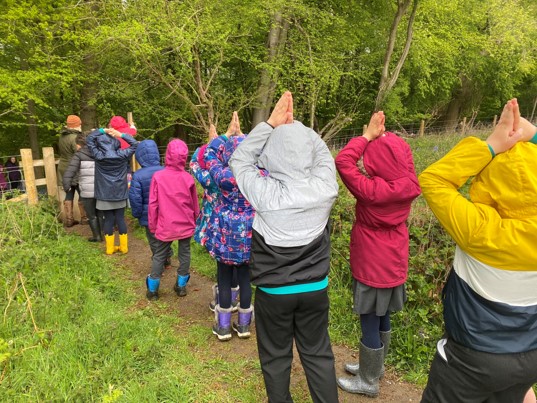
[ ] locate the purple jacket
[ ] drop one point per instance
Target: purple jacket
(173, 200)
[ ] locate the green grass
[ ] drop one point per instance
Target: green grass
(69, 332)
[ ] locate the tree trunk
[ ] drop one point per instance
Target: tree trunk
(88, 111)
(267, 84)
(388, 79)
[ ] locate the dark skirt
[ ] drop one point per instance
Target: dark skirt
(379, 301)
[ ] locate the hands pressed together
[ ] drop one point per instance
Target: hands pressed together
(511, 129)
(283, 111)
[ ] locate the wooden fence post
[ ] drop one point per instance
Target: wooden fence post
(365, 129)
(422, 128)
(50, 171)
(29, 176)
(464, 126)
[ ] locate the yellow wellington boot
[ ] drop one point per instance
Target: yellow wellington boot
(123, 243)
(110, 248)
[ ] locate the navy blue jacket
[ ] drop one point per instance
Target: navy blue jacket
(111, 165)
(148, 157)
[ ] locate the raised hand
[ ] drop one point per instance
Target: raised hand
(238, 131)
(212, 133)
(376, 126)
(283, 111)
(112, 132)
(506, 134)
(234, 128)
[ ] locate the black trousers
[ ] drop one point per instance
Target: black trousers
(470, 376)
(280, 319)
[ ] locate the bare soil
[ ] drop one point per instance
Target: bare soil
(194, 309)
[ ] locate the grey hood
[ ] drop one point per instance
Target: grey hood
(293, 202)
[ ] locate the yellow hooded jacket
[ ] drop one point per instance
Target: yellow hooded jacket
(490, 299)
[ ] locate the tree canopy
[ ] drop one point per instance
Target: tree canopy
(181, 65)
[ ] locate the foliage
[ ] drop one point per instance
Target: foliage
(179, 65)
(69, 331)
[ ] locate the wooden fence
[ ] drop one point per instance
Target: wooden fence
(28, 168)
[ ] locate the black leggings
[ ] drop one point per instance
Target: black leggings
(116, 216)
(225, 275)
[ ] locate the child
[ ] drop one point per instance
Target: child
(147, 155)
(290, 249)
(228, 241)
(172, 211)
(211, 193)
(489, 350)
(379, 242)
(111, 186)
(81, 173)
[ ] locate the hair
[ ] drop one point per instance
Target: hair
(81, 139)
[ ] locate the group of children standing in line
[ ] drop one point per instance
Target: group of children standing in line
(265, 219)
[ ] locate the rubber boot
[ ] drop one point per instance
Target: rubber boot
(385, 338)
(83, 216)
(180, 285)
(100, 219)
(222, 325)
(152, 288)
(366, 381)
(235, 298)
(242, 326)
(68, 219)
(123, 243)
(110, 247)
(95, 230)
(214, 302)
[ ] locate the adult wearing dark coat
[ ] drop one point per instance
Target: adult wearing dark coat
(14, 175)
(67, 148)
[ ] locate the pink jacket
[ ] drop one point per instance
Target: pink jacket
(379, 238)
(173, 200)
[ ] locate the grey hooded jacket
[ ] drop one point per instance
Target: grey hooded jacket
(293, 202)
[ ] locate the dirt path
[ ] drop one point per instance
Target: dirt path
(194, 309)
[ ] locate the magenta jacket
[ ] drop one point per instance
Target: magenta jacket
(173, 200)
(384, 194)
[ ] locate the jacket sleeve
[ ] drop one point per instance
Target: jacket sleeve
(370, 190)
(202, 175)
(259, 190)
(152, 209)
(71, 171)
(222, 175)
(195, 201)
(323, 167)
(133, 144)
(440, 183)
(91, 142)
(136, 196)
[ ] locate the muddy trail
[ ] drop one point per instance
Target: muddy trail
(194, 309)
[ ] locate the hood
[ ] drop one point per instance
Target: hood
(289, 152)
(509, 182)
(147, 153)
(176, 154)
(388, 157)
(120, 124)
(224, 153)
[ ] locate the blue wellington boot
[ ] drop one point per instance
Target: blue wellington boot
(180, 285)
(152, 288)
